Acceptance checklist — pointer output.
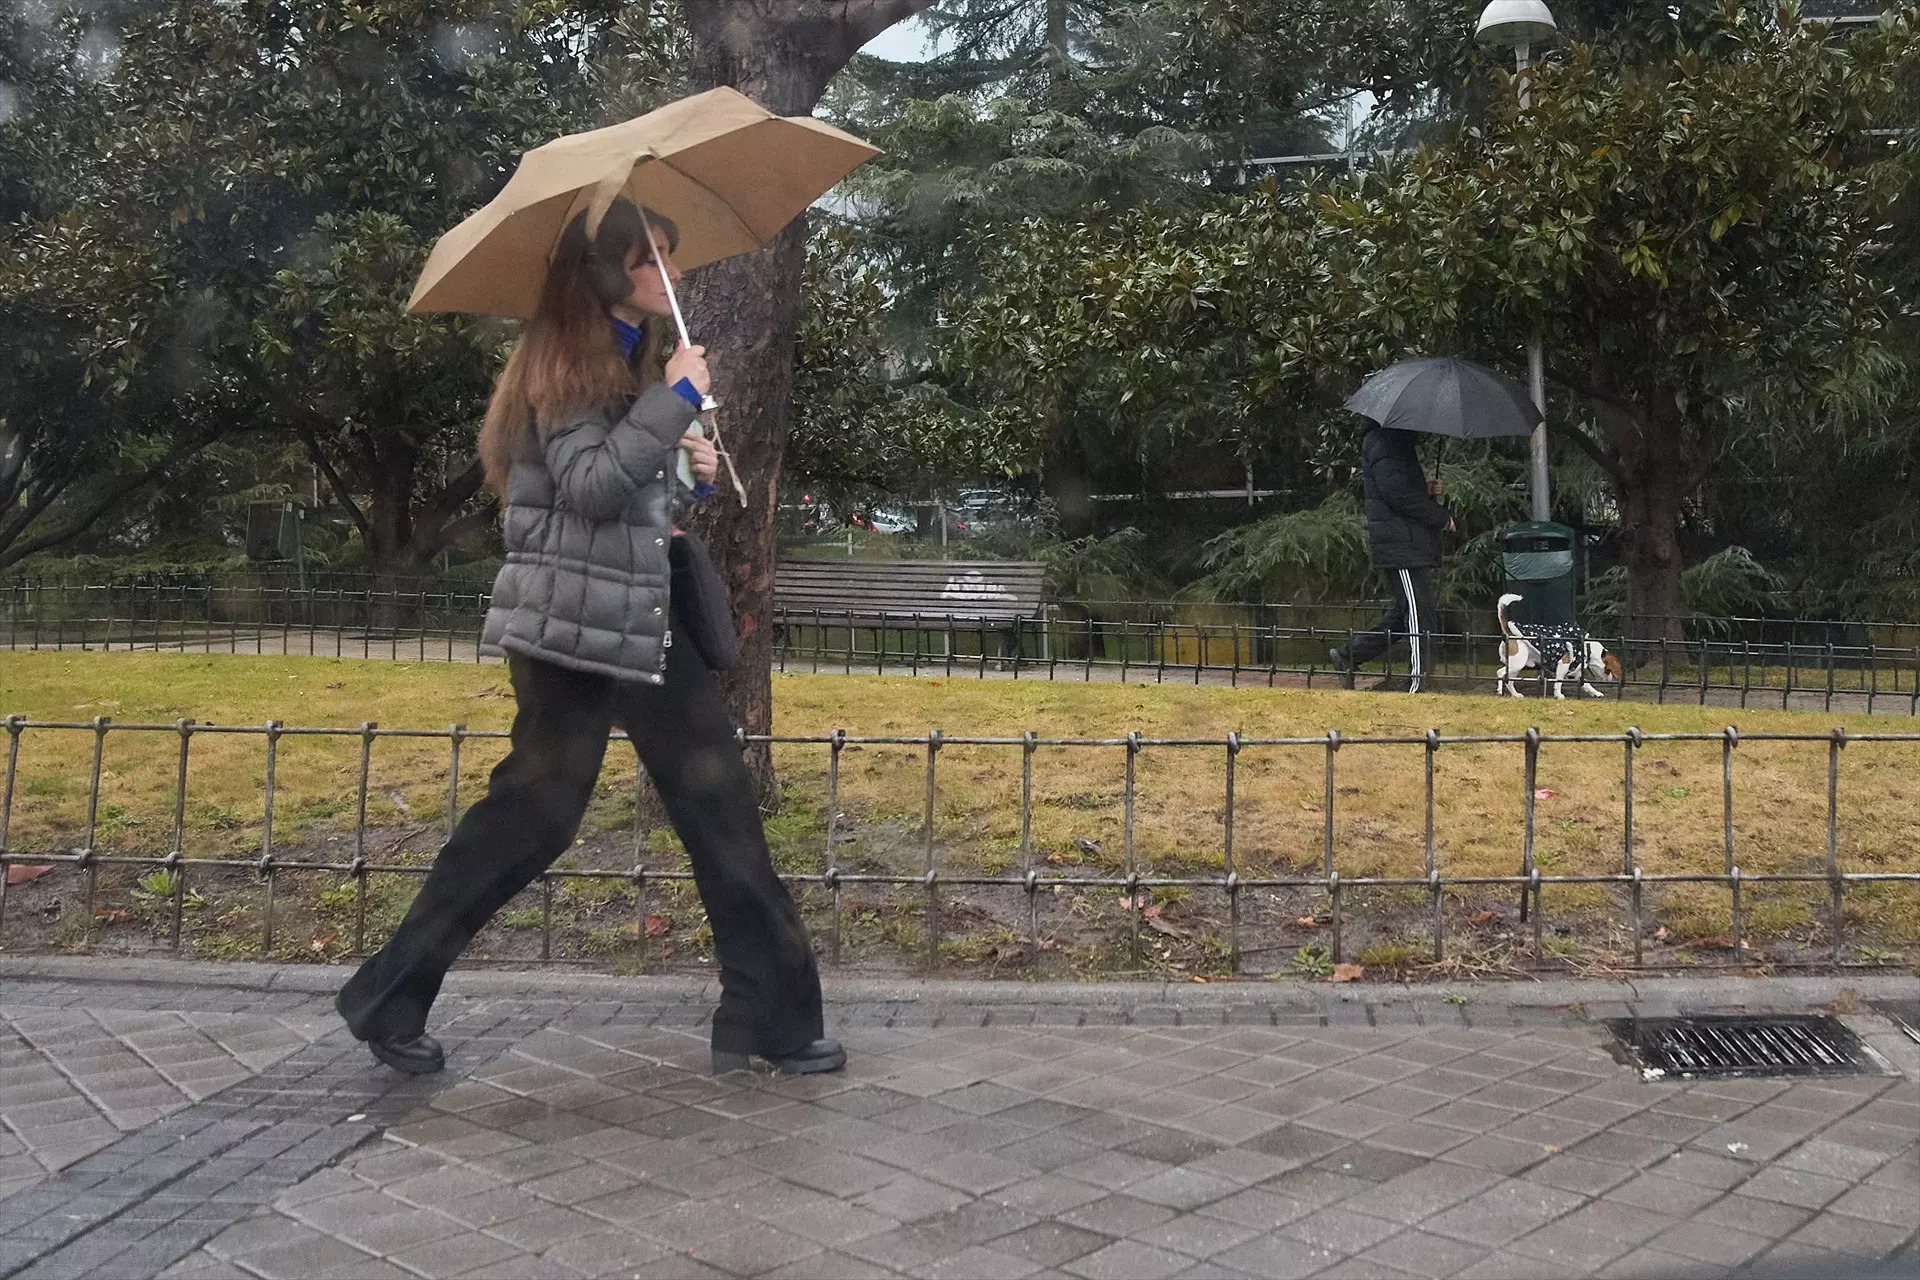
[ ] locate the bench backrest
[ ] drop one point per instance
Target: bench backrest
(991, 589)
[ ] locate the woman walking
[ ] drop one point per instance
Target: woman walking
(581, 443)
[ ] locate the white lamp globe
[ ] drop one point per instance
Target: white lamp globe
(1515, 22)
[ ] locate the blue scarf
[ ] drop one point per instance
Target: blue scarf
(626, 337)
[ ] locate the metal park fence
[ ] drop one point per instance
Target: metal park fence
(1627, 880)
(1736, 662)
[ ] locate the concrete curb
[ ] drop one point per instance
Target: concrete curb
(1720, 992)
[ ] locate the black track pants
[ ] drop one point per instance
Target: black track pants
(1411, 614)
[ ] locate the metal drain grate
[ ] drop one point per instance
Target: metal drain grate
(1716, 1046)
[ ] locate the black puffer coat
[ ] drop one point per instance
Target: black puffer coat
(1404, 523)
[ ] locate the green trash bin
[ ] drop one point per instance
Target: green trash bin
(1536, 561)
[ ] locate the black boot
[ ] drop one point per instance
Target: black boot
(419, 1055)
(1342, 667)
(813, 1059)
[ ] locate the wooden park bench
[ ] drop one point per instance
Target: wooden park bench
(911, 600)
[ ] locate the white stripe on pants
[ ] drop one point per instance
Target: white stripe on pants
(1415, 668)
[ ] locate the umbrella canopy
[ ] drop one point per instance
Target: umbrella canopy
(729, 172)
(1445, 396)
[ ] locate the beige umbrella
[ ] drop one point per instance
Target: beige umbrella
(729, 172)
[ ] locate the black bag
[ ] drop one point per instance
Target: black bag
(701, 604)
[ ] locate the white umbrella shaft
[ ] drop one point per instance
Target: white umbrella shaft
(707, 402)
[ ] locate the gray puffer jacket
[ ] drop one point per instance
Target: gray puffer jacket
(588, 518)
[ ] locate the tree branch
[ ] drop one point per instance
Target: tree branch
(1604, 459)
(15, 552)
(862, 20)
(334, 482)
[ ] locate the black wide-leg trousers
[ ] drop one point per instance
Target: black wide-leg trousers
(769, 982)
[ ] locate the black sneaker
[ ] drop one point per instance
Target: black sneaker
(1341, 667)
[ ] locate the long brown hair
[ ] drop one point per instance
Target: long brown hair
(566, 359)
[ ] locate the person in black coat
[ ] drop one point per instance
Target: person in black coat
(1404, 524)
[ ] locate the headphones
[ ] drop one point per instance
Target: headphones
(609, 280)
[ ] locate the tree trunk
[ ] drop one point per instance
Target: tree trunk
(746, 310)
(1652, 493)
(1060, 94)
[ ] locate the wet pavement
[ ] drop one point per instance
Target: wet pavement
(212, 1121)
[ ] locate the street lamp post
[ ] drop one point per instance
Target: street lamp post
(1522, 24)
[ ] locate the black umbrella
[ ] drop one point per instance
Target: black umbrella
(1446, 396)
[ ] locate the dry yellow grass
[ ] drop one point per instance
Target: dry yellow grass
(1779, 794)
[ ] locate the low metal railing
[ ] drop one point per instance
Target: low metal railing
(1032, 879)
(1744, 662)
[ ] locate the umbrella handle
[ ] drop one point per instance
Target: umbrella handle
(708, 405)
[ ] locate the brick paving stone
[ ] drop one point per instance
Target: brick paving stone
(1421, 1253)
(1835, 1159)
(1769, 1218)
(1340, 1230)
(1653, 1264)
(1705, 1242)
(1369, 1162)
(1502, 1213)
(830, 1266)
(1115, 1215)
(1573, 1173)
(1048, 1194)
(1049, 1244)
(1128, 1260)
(1420, 1193)
(1589, 1237)
(1261, 1210)
(1663, 1194)
(1194, 1234)
(1854, 1236)
(1277, 1257)
(1496, 1155)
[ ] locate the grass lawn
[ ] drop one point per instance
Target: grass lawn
(1779, 802)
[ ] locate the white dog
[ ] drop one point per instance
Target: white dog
(1525, 643)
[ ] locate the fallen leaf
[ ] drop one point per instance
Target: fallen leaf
(1346, 972)
(1158, 925)
(23, 873)
(658, 925)
(1086, 846)
(1551, 1150)
(111, 915)
(1660, 934)
(1312, 922)
(322, 941)
(1544, 793)
(1482, 917)
(337, 685)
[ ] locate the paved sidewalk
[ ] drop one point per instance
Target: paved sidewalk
(215, 1121)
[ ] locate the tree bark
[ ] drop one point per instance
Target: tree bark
(746, 310)
(1653, 484)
